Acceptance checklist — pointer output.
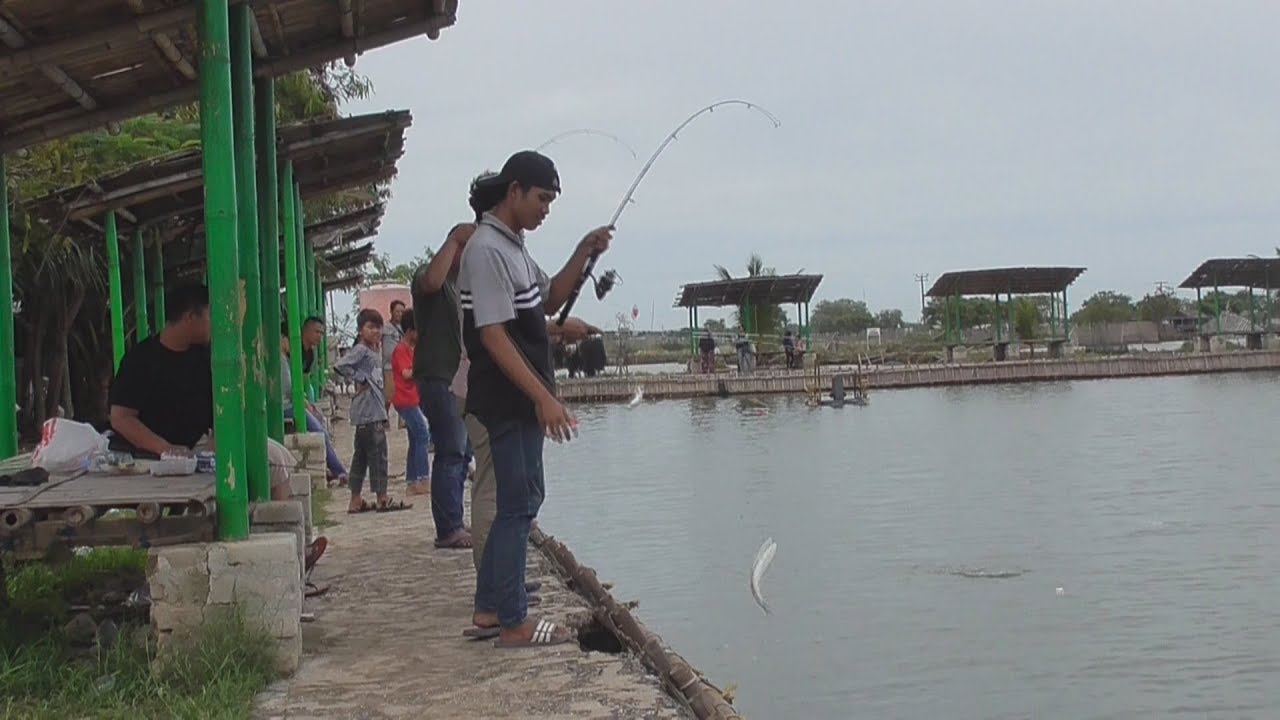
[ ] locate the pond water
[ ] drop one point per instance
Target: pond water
(1074, 550)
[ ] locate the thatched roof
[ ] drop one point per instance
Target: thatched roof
(74, 65)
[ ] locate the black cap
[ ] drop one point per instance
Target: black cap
(529, 168)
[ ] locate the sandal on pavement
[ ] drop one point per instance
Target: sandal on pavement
(483, 633)
(395, 506)
(363, 508)
(459, 540)
(545, 634)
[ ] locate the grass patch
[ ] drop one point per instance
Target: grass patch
(217, 675)
(321, 516)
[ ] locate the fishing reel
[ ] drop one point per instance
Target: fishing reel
(605, 283)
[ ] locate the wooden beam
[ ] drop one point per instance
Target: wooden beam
(32, 56)
(358, 46)
(165, 44)
(10, 36)
(137, 194)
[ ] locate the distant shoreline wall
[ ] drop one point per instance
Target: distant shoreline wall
(796, 382)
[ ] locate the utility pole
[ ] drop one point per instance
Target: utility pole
(922, 278)
(1163, 288)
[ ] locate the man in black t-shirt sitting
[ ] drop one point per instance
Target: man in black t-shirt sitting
(162, 395)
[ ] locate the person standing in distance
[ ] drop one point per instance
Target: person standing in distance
(506, 299)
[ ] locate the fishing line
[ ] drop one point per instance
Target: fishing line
(610, 277)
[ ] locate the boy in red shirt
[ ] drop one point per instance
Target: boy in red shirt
(405, 400)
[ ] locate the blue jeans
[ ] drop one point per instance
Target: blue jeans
(330, 455)
(516, 446)
(417, 467)
(449, 471)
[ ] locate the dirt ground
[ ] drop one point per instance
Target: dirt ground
(386, 641)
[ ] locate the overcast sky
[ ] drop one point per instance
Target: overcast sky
(1132, 138)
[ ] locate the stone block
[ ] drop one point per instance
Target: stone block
(179, 574)
(308, 442)
(259, 578)
(284, 516)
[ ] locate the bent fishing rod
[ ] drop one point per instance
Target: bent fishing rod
(609, 278)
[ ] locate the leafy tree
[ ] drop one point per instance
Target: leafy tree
(1159, 307)
(765, 319)
(841, 316)
(889, 319)
(1106, 306)
(1026, 318)
(715, 326)
(974, 312)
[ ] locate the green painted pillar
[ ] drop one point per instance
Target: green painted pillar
(8, 349)
(1066, 318)
(117, 291)
(293, 295)
(142, 328)
(269, 259)
(999, 322)
(225, 299)
(255, 401)
(157, 283)
(1217, 306)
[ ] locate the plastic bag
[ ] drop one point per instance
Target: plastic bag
(67, 446)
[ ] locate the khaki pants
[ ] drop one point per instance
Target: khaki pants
(280, 464)
(484, 488)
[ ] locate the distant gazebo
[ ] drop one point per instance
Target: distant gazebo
(750, 293)
(1007, 282)
(1250, 273)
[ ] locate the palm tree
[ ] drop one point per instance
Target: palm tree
(765, 319)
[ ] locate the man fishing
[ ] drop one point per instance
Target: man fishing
(505, 299)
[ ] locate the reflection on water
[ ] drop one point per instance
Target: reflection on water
(1072, 550)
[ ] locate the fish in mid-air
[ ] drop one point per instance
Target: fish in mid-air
(764, 558)
(635, 399)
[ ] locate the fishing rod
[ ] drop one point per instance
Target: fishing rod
(586, 131)
(610, 277)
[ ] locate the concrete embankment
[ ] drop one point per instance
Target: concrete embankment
(386, 640)
(901, 376)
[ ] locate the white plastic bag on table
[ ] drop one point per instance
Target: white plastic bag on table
(67, 445)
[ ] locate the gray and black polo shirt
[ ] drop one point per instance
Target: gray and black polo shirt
(499, 284)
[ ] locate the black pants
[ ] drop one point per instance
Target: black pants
(370, 455)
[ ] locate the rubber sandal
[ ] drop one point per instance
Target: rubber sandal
(544, 635)
(315, 551)
(482, 633)
(459, 540)
(314, 590)
(396, 506)
(364, 508)
(533, 586)
(534, 600)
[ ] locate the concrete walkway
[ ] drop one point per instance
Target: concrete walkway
(386, 641)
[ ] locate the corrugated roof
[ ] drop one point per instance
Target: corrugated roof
(1016, 280)
(1235, 272)
(762, 290)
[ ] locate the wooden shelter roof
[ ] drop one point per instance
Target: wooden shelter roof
(74, 65)
(1017, 280)
(337, 233)
(328, 156)
(762, 290)
(343, 282)
(1235, 272)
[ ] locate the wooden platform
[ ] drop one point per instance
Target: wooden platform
(614, 388)
(77, 510)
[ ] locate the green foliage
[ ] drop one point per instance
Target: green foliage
(69, 342)
(974, 312)
(1105, 306)
(764, 319)
(715, 326)
(890, 319)
(1026, 318)
(1159, 307)
(384, 270)
(842, 316)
